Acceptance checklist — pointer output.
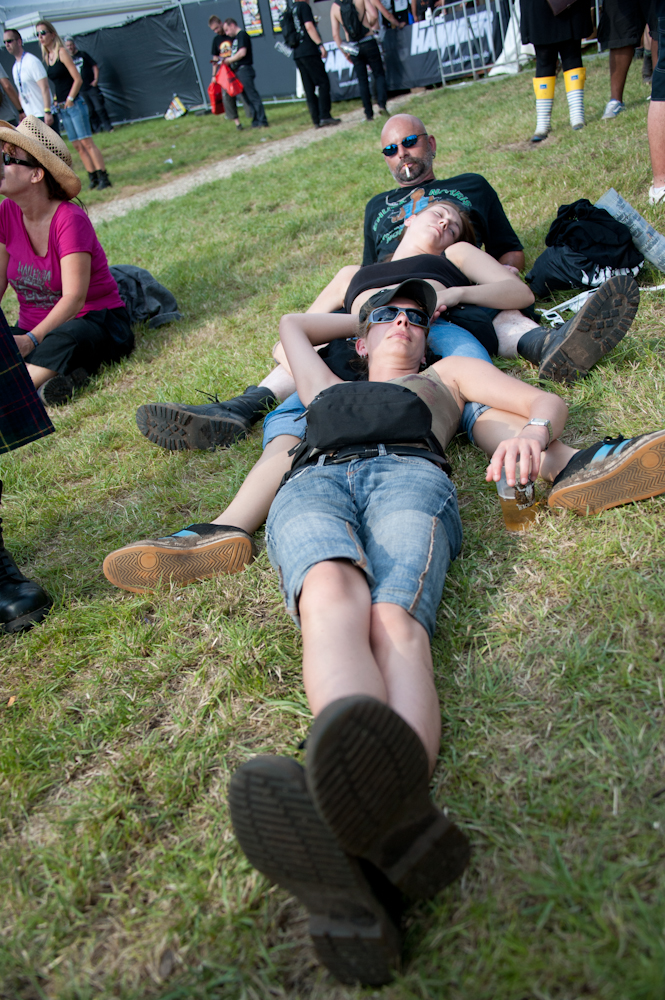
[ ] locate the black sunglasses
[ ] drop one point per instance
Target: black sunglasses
(46, 32)
(387, 314)
(7, 159)
(408, 141)
(10, 41)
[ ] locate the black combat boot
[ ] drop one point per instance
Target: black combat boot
(94, 179)
(204, 428)
(23, 603)
(103, 180)
(567, 353)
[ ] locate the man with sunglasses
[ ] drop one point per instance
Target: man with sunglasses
(30, 79)
(409, 152)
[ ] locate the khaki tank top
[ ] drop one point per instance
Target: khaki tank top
(439, 401)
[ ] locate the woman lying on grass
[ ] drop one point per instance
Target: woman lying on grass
(361, 535)
(71, 317)
(474, 290)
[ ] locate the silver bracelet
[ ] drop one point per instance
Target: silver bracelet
(32, 338)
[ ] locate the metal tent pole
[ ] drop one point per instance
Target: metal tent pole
(204, 92)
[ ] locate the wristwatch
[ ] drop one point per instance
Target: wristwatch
(541, 422)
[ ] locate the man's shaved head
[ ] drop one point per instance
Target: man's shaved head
(413, 165)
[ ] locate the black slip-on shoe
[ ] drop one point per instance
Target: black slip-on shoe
(601, 323)
(367, 772)
(282, 835)
(194, 553)
(613, 472)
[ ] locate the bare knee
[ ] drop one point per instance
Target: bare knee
(331, 585)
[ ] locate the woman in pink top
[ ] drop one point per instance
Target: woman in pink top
(71, 317)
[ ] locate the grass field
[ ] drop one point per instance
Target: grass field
(123, 716)
(137, 156)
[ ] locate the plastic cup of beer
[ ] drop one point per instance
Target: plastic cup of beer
(518, 503)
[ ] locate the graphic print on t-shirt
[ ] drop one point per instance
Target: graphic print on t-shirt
(32, 284)
(412, 203)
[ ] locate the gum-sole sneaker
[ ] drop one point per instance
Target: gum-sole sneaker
(280, 832)
(176, 428)
(601, 323)
(367, 772)
(187, 556)
(611, 473)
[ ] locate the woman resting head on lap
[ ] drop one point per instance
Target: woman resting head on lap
(361, 535)
(71, 317)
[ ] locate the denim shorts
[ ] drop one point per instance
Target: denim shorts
(393, 517)
(444, 338)
(76, 120)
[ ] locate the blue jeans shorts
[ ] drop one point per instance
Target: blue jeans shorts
(393, 517)
(444, 338)
(76, 120)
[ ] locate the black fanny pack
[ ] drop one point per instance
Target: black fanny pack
(351, 419)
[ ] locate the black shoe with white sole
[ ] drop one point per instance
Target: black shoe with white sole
(279, 830)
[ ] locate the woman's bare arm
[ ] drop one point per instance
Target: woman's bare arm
(493, 285)
(75, 273)
(77, 83)
(299, 333)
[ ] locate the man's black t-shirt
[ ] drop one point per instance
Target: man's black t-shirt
(242, 41)
(217, 43)
(385, 214)
(85, 64)
(302, 12)
(399, 9)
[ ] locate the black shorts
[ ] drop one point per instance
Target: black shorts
(622, 23)
(87, 342)
(658, 79)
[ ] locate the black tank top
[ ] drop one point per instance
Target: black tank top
(424, 265)
(61, 79)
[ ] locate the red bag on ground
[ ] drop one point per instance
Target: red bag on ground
(216, 99)
(229, 81)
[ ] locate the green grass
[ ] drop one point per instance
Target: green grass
(119, 874)
(136, 155)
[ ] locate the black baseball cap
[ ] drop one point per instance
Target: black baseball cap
(413, 288)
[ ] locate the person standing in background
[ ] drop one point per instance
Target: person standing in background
(30, 80)
(620, 29)
(309, 56)
(66, 81)
(553, 36)
(242, 63)
(221, 48)
(90, 92)
(10, 105)
(656, 116)
(359, 18)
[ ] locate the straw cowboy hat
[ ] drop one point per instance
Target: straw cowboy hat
(46, 147)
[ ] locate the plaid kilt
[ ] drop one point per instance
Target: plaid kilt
(22, 414)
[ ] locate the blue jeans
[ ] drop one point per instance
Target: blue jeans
(76, 120)
(393, 517)
(444, 338)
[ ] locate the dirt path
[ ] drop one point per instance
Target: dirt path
(219, 171)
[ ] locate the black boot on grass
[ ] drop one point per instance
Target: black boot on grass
(103, 180)
(23, 603)
(94, 179)
(569, 352)
(204, 428)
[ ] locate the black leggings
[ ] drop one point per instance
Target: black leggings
(570, 52)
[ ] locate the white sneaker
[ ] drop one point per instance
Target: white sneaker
(613, 108)
(656, 195)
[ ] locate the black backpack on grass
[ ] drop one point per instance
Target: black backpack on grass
(355, 29)
(288, 25)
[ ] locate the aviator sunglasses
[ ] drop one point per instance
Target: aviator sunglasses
(386, 314)
(408, 141)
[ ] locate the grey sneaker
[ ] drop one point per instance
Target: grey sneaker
(612, 109)
(194, 553)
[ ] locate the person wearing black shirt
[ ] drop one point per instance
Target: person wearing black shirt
(242, 64)
(221, 47)
(308, 55)
(90, 92)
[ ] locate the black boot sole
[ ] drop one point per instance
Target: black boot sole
(596, 329)
(170, 427)
(280, 832)
(26, 622)
(367, 772)
(61, 388)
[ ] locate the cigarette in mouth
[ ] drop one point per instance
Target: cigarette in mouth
(408, 173)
